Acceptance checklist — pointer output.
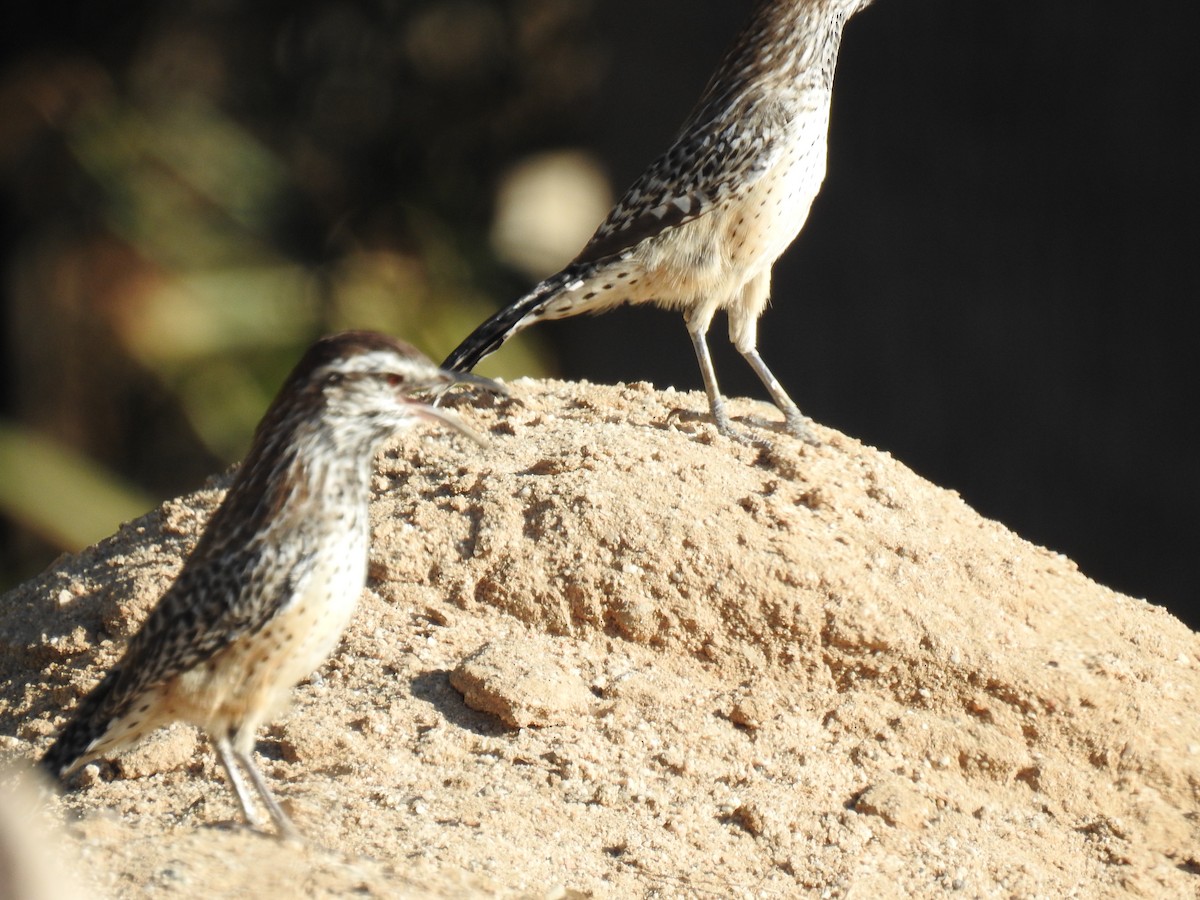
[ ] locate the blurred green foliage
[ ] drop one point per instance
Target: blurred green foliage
(61, 496)
(193, 193)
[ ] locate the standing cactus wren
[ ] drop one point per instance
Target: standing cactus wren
(703, 225)
(264, 597)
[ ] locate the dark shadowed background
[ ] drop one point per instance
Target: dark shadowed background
(996, 284)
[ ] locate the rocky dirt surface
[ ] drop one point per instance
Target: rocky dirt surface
(692, 668)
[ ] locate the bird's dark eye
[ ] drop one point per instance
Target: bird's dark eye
(395, 380)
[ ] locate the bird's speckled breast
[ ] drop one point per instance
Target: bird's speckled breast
(252, 679)
(764, 223)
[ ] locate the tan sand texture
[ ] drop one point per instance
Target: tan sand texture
(693, 669)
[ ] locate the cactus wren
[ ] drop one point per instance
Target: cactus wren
(272, 582)
(703, 225)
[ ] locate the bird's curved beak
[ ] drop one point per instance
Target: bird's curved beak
(444, 381)
(448, 378)
(447, 418)
(451, 378)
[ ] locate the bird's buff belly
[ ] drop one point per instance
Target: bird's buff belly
(252, 679)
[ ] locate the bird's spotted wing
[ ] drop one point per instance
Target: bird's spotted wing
(211, 605)
(213, 602)
(708, 164)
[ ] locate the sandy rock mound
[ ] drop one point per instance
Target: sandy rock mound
(740, 671)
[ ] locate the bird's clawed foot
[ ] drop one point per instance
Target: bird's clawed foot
(288, 833)
(797, 424)
(726, 427)
(800, 426)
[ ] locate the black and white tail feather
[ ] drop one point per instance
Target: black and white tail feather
(536, 306)
(701, 228)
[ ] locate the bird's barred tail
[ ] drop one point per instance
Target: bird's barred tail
(87, 727)
(488, 337)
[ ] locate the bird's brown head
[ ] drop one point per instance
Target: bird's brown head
(363, 386)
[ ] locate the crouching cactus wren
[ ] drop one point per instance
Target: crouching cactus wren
(272, 582)
(703, 225)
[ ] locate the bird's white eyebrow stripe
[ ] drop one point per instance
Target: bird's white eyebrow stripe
(372, 361)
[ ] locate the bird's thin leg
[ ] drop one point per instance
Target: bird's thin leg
(228, 758)
(697, 329)
(797, 422)
(743, 334)
(283, 824)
